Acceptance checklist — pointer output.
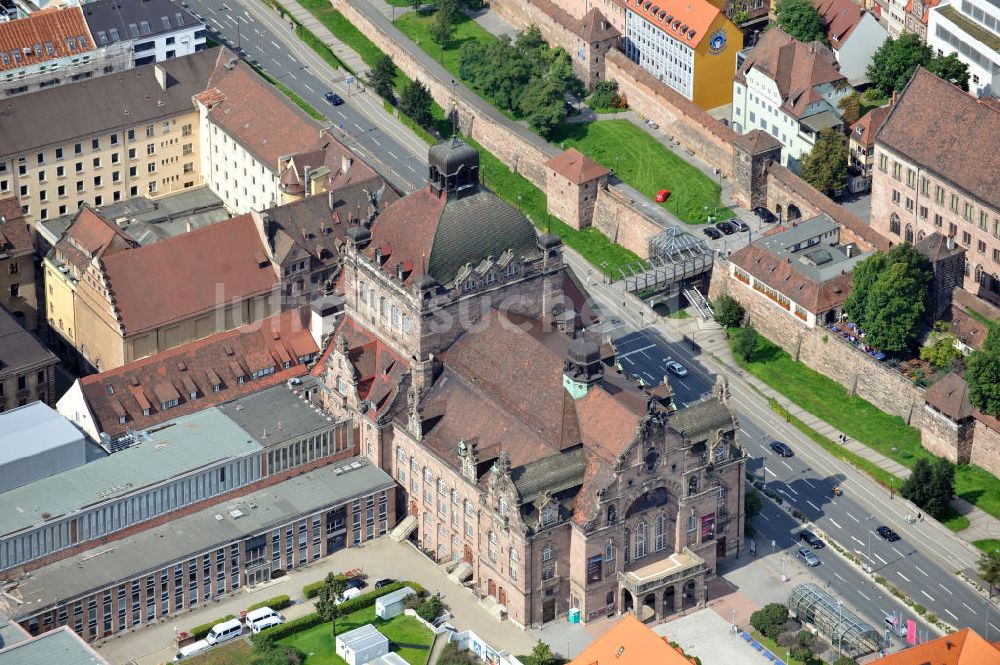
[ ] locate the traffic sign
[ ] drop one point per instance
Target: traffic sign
(350, 80)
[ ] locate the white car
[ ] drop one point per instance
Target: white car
(261, 618)
(191, 649)
(676, 368)
(350, 593)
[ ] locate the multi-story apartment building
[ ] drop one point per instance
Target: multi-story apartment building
(861, 148)
(52, 47)
(971, 29)
(17, 265)
(105, 139)
(899, 16)
(924, 180)
(690, 45)
(790, 90)
(27, 369)
(150, 30)
(113, 302)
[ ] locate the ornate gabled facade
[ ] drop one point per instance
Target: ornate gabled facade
(545, 477)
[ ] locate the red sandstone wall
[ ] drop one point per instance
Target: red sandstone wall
(615, 217)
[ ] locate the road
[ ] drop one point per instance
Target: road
(922, 564)
(266, 41)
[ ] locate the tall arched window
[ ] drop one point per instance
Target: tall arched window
(513, 563)
(493, 547)
(641, 535)
(980, 276)
(660, 534)
(894, 223)
(547, 553)
(625, 547)
(692, 485)
(908, 235)
(609, 551)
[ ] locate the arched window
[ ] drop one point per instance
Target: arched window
(413, 465)
(894, 223)
(721, 452)
(660, 534)
(493, 547)
(512, 564)
(641, 534)
(502, 506)
(612, 514)
(548, 553)
(625, 547)
(692, 485)
(908, 235)
(980, 276)
(609, 551)
(921, 236)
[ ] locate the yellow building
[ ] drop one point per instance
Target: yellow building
(105, 139)
(690, 45)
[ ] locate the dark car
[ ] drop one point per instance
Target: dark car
(384, 582)
(726, 227)
(764, 214)
(887, 533)
(782, 449)
(355, 583)
(742, 226)
(810, 538)
(334, 98)
(711, 232)
(568, 107)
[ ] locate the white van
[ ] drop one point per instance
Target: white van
(353, 592)
(191, 649)
(261, 615)
(226, 630)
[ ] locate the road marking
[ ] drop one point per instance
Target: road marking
(813, 505)
(764, 516)
(835, 524)
(792, 491)
(626, 355)
(216, 22)
(770, 472)
(808, 482)
(308, 87)
(361, 152)
(837, 575)
(787, 466)
(293, 76)
(970, 609)
(952, 615)
(950, 592)
(292, 58)
(745, 433)
(857, 541)
(853, 517)
(410, 167)
(277, 46)
(864, 596)
(341, 114)
(884, 562)
(918, 568)
(790, 497)
(392, 155)
(928, 595)
(903, 576)
(360, 128)
(231, 20)
(375, 141)
(994, 626)
(897, 551)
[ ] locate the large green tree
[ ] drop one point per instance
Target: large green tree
(988, 568)
(415, 102)
(982, 373)
(916, 487)
(825, 167)
(864, 276)
(728, 311)
(951, 69)
(542, 104)
(770, 619)
(801, 20)
(328, 599)
(382, 78)
(752, 505)
(441, 29)
(744, 342)
(942, 488)
(894, 62)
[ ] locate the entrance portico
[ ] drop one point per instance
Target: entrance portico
(666, 586)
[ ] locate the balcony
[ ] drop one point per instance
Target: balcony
(678, 566)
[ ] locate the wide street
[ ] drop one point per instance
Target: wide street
(922, 564)
(361, 122)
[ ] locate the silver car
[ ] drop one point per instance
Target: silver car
(676, 368)
(807, 555)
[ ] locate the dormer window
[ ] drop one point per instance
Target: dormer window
(216, 387)
(146, 411)
(122, 419)
(193, 395)
(169, 404)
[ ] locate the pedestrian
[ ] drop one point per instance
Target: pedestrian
(919, 517)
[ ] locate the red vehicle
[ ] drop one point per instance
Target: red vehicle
(662, 195)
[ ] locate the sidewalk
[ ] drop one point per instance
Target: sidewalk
(343, 52)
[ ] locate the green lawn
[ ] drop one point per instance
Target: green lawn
(987, 544)
(416, 26)
(234, 653)
(643, 162)
(860, 420)
(319, 646)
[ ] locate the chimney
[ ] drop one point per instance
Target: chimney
(324, 315)
(345, 163)
(161, 75)
(399, 271)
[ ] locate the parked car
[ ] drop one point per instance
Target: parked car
(192, 649)
(783, 449)
(261, 618)
(355, 583)
(352, 592)
(676, 368)
(334, 98)
(711, 232)
(726, 227)
(384, 582)
(765, 215)
(806, 555)
(226, 630)
(811, 539)
(662, 195)
(887, 533)
(739, 224)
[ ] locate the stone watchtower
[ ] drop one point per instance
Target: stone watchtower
(948, 261)
(572, 181)
(752, 152)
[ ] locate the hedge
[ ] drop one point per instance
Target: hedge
(312, 590)
(276, 603)
(283, 630)
(199, 632)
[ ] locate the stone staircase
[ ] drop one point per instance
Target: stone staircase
(461, 573)
(403, 530)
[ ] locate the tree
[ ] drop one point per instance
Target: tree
(415, 102)
(729, 312)
(542, 104)
(865, 274)
(992, 342)
(416, 4)
(801, 20)
(941, 489)
(894, 62)
(561, 73)
(382, 78)
(825, 167)
(752, 505)
(951, 69)
(845, 660)
(983, 376)
(474, 5)
(605, 95)
(330, 593)
(916, 487)
(770, 619)
(430, 609)
(448, 10)
(542, 655)
(744, 342)
(988, 567)
(441, 29)
(850, 107)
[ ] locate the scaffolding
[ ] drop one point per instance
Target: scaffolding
(846, 632)
(674, 256)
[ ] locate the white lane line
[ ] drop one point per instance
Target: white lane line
(764, 516)
(789, 496)
(930, 597)
(216, 22)
(292, 58)
(951, 614)
(792, 490)
(970, 609)
(853, 517)
(860, 553)
(864, 596)
(921, 571)
(232, 20)
(361, 152)
(745, 433)
(897, 551)
(857, 541)
(375, 141)
(392, 155)
(770, 472)
(834, 523)
(293, 76)
(410, 167)
(277, 46)
(837, 575)
(275, 61)
(360, 128)
(626, 355)
(808, 482)
(259, 33)
(994, 626)
(308, 87)
(903, 576)
(950, 592)
(813, 505)
(884, 562)
(341, 114)
(787, 466)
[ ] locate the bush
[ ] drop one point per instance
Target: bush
(728, 312)
(450, 655)
(199, 632)
(805, 637)
(282, 631)
(276, 603)
(801, 653)
(770, 619)
(431, 609)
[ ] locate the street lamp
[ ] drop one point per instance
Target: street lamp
(869, 521)
(763, 472)
(840, 619)
(617, 160)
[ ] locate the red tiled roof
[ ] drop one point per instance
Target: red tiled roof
(841, 17)
(964, 647)
(576, 167)
(687, 21)
(128, 389)
(630, 642)
(92, 233)
(15, 234)
(44, 35)
(379, 368)
(190, 273)
(407, 228)
(782, 276)
(865, 129)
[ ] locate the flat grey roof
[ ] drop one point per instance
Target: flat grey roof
(396, 596)
(10, 633)
(32, 429)
(822, 120)
(19, 350)
(275, 415)
(173, 448)
(55, 647)
(362, 637)
(154, 548)
(819, 262)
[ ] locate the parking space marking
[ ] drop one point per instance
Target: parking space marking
(950, 592)
(903, 576)
(852, 517)
(788, 466)
(950, 613)
(921, 571)
(834, 523)
(930, 597)
(970, 609)
(815, 507)
(809, 483)
(856, 540)
(884, 562)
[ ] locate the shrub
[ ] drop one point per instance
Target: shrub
(276, 603)
(199, 632)
(770, 619)
(728, 312)
(282, 631)
(932, 618)
(801, 653)
(919, 609)
(805, 638)
(431, 609)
